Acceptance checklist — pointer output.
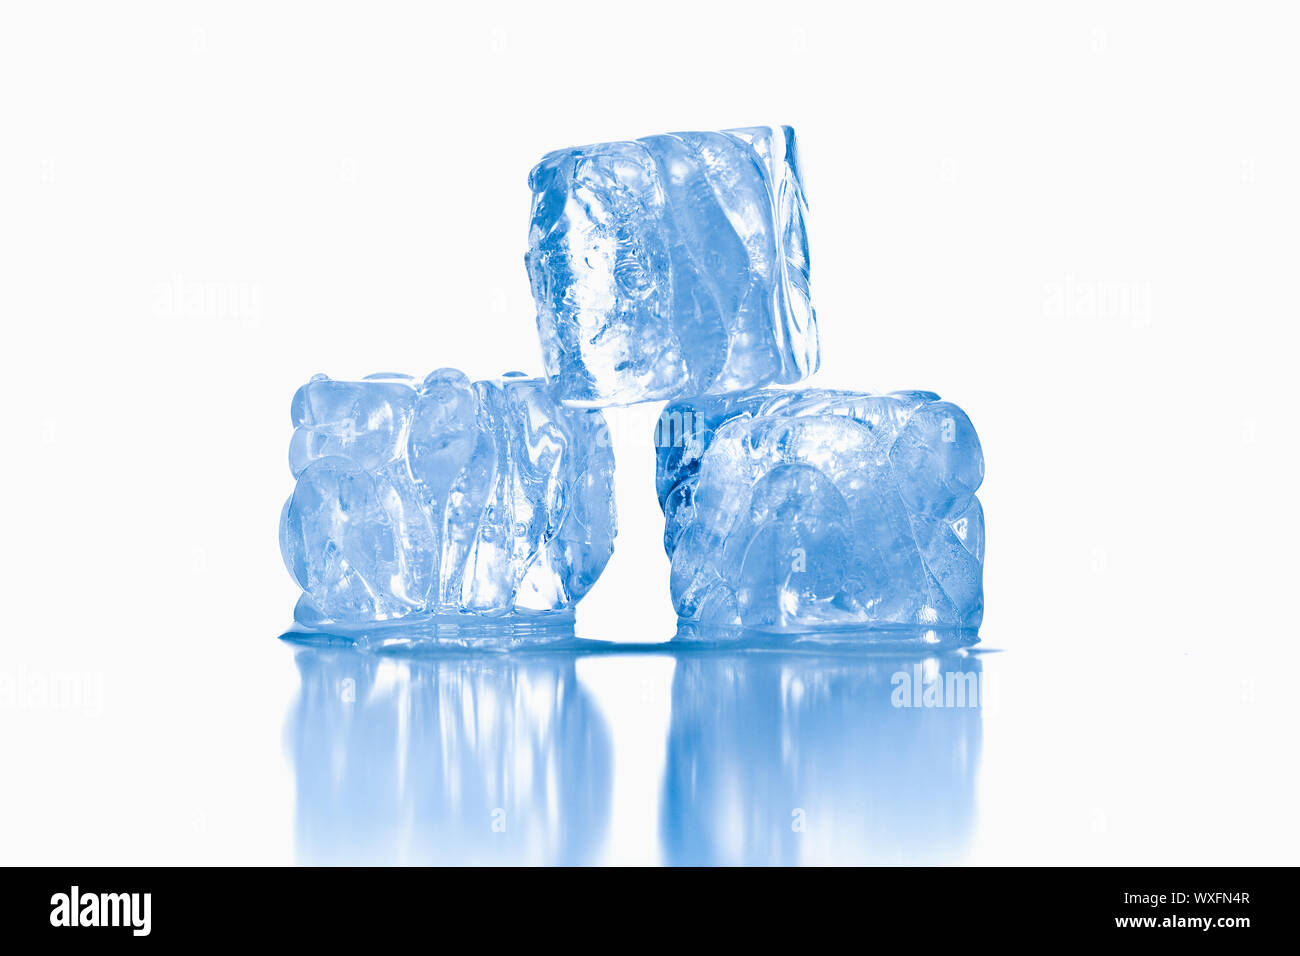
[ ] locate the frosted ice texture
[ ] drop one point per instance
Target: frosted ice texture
(811, 509)
(672, 265)
(417, 499)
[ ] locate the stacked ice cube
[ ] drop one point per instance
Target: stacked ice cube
(435, 499)
(670, 267)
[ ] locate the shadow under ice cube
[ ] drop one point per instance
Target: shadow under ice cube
(421, 499)
(672, 265)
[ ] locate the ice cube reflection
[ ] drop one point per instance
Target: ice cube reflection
(783, 758)
(455, 759)
(772, 757)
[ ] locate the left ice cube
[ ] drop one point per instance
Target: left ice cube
(420, 499)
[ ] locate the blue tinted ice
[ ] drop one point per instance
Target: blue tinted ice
(672, 265)
(418, 499)
(818, 509)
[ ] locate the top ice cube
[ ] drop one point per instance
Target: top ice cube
(673, 265)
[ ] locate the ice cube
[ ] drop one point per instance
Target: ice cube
(816, 509)
(417, 499)
(672, 265)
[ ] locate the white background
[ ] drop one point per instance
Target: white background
(1077, 221)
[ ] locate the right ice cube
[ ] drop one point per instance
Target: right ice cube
(814, 510)
(672, 265)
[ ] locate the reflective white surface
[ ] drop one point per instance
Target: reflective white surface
(278, 753)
